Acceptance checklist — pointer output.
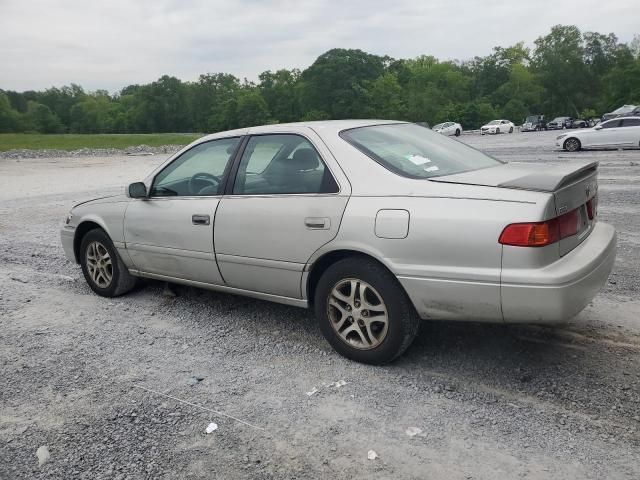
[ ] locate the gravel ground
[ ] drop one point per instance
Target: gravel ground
(467, 401)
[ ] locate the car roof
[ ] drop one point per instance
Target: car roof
(332, 125)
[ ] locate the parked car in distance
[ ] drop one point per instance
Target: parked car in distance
(621, 132)
(448, 128)
(373, 224)
(534, 123)
(497, 126)
(579, 123)
(624, 110)
(560, 123)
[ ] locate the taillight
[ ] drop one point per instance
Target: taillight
(541, 234)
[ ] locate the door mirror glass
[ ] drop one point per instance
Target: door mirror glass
(137, 190)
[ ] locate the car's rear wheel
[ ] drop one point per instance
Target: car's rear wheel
(572, 145)
(363, 312)
(457, 132)
(102, 267)
(510, 129)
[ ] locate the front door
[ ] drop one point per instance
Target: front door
(171, 232)
(284, 205)
(607, 135)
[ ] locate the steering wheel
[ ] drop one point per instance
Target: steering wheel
(200, 177)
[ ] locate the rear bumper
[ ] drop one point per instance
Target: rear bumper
(67, 234)
(561, 290)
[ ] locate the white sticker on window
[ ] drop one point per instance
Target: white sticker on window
(418, 159)
(432, 168)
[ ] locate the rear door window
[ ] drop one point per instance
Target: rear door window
(631, 122)
(282, 164)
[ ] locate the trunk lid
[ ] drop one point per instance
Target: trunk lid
(573, 184)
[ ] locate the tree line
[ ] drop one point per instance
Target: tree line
(568, 72)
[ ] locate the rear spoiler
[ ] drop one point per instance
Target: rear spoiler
(553, 177)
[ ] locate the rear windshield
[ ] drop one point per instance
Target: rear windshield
(416, 152)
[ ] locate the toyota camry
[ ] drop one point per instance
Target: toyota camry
(374, 225)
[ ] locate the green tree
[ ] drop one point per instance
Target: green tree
(279, 90)
(334, 83)
(40, 118)
(9, 118)
(384, 97)
(558, 62)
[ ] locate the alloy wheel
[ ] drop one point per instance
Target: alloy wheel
(572, 145)
(99, 264)
(358, 314)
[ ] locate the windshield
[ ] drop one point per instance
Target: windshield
(494, 122)
(624, 109)
(531, 119)
(560, 119)
(440, 125)
(416, 152)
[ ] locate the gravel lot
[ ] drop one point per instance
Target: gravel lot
(466, 401)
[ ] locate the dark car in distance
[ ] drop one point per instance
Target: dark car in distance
(623, 111)
(534, 123)
(560, 123)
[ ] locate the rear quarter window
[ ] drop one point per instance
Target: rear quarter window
(413, 151)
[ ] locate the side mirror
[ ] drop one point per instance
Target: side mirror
(137, 190)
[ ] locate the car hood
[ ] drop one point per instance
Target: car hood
(524, 176)
(105, 199)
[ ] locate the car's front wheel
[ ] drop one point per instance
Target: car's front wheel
(572, 145)
(102, 267)
(457, 132)
(510, 129)
(363, 312)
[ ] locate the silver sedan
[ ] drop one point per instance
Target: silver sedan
(373, 224)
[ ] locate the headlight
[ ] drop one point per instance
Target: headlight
(561, 136)
(67, 220)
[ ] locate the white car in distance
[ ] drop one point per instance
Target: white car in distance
(497, 126)
(623, 132)
(448, 128)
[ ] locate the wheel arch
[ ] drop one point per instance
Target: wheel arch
(82, 229)
(318, 266)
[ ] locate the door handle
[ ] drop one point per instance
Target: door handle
(200, 219)
(317, 223)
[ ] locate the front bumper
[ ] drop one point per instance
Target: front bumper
(67, 234)
(561, 290)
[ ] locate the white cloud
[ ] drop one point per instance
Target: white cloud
(111, 45)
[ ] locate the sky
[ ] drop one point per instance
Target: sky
(114, 43)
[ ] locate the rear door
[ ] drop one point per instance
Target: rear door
(285, 202)
(629, 132)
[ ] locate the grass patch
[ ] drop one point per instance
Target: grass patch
(38, 141)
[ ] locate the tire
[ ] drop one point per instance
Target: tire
(98, 259)
(457, 132)
(572, 144)
(510, 129)
(537, 129)
(337, 304)
(497, 131)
